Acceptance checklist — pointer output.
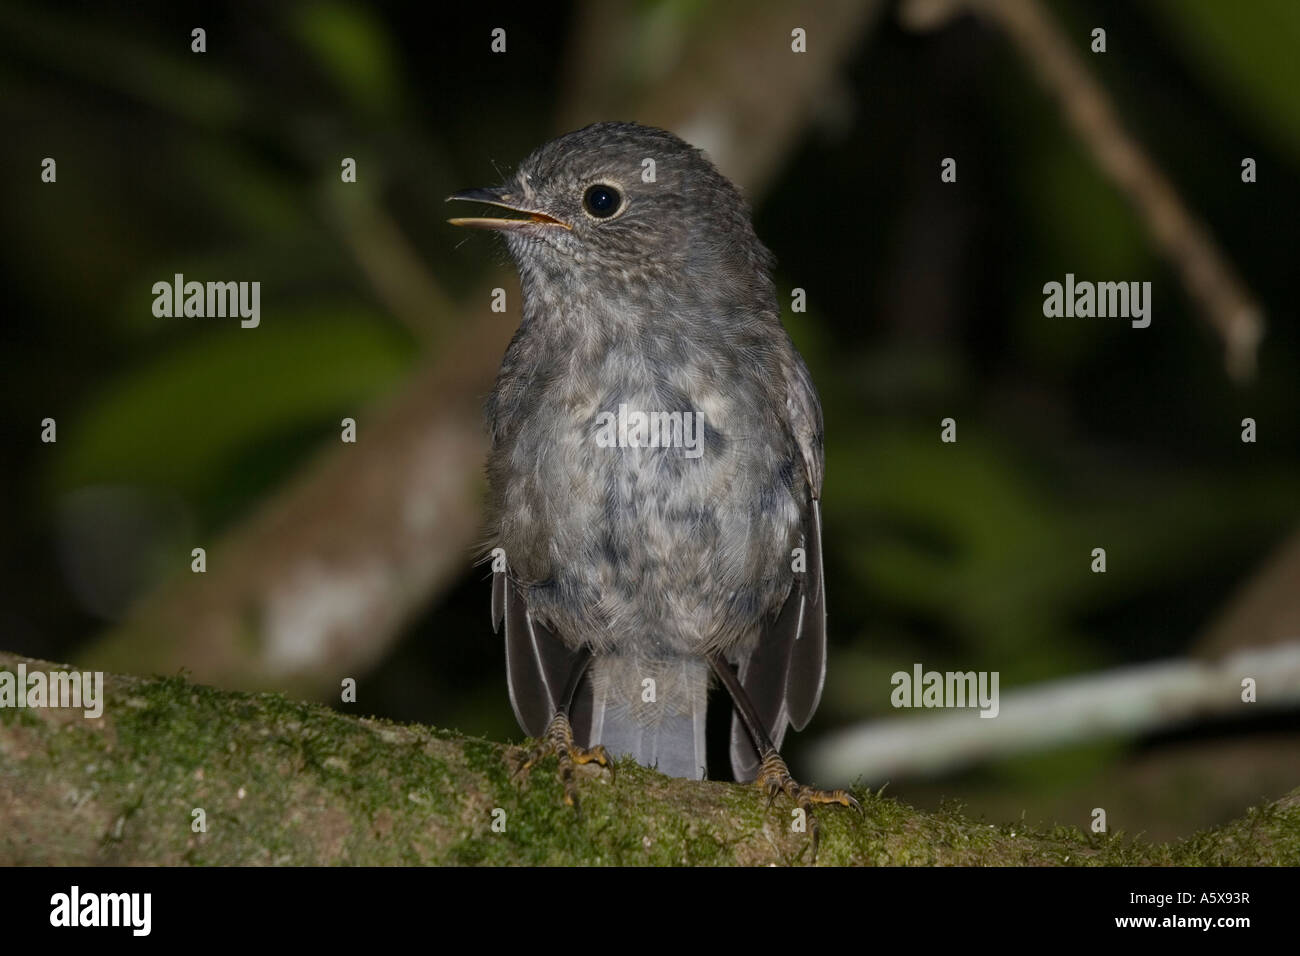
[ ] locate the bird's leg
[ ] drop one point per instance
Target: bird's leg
(558, 739)
(773, 775)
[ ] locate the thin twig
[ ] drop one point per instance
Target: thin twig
(1210, 279)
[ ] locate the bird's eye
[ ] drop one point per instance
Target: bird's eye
(601, 201)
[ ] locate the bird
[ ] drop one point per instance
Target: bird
(656, 467)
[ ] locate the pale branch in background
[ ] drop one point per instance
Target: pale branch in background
(1119, 703)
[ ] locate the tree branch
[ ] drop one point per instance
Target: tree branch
(289, 783)
(1125, 701)
(1209, 278)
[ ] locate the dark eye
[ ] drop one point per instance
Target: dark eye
(601, 201)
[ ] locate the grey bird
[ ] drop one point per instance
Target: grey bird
(656, 466)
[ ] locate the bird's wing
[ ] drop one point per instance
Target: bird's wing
(807, 669)
(538, 663)
(784, 674)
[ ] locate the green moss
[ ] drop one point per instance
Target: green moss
(285, 782)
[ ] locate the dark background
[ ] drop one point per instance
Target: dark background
(924, 302)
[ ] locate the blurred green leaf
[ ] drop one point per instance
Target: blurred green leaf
(354, 49)
(1251, 47)
(174, 80)
(962, 533)
(177, 419)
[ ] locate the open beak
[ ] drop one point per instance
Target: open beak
(503, 200)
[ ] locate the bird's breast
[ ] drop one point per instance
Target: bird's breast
(650, 500)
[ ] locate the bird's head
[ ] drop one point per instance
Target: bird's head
(620, 202)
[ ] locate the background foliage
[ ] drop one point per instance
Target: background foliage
(925, 302)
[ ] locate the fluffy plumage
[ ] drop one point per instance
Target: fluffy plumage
(647, 557)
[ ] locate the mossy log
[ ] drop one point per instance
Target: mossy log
(281, 781)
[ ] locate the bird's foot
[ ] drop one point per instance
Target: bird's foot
(774, 777)
(558, 740)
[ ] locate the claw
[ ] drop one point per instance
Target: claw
(774, 775)
(558, 740)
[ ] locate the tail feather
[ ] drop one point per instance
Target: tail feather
(660, 724)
